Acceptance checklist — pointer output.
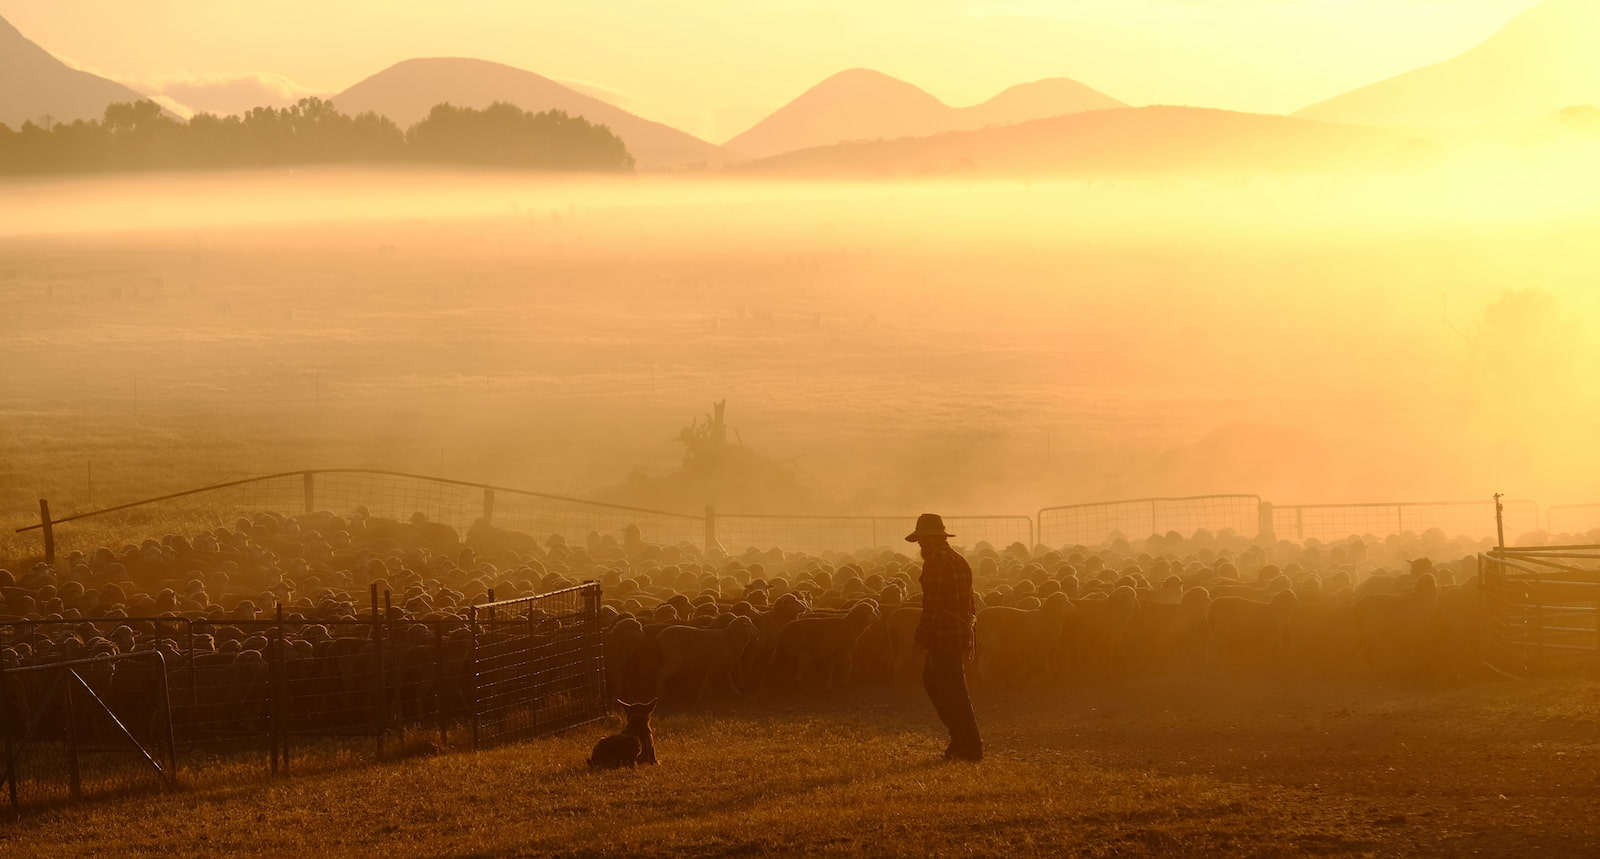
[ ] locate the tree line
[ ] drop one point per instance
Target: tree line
(142, 136)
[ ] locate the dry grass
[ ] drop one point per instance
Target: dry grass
(1137, 768)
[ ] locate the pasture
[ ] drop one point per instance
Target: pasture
(964, 348)
(978, 349)
(1138, 767)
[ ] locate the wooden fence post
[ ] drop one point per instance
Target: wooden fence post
(311, 492)
(49, 530)
(488, 506)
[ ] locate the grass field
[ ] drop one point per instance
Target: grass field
(1128, 768)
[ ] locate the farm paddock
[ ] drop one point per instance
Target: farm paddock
(1138, 766)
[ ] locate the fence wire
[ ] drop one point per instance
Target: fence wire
(510, 670)
(1541, 609)
(86, 727)
(738, 533)
(1574, 519)
(1094, 524)
(1474, 520)
(537, 665)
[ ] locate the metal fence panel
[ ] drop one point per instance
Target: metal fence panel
(1471, 519)
(537, 665)
(1541, 611)
(500, 514)
(1094, 524)
(737, 533)
(1578, 519)
(86, 727)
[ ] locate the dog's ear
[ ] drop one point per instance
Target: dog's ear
(621, 703)
(650, 706)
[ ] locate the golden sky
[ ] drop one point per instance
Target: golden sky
(713, 67)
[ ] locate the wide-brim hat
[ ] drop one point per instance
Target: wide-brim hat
(928, 525)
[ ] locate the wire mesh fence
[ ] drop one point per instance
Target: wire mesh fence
(509, 670)
(738, 533)
(86, 727)
(1541, 609)
(1576, 519)
(452, 510)
(542, 517)
(1094, 524)
(537, 665)
(455, 513)
(1473, 520)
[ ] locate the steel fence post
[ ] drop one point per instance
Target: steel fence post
(472, 675)
(711, 528)
(596, 650)
(9, 715)
(74, 781)
(169, 736)
(385, 694)
(194, 692)
(310, 492)
(279, 709)
(438, 683)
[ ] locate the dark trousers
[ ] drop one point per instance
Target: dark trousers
(946, 682)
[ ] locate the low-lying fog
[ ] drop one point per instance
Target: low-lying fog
(969, 347)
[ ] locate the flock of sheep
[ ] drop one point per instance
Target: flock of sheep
(682, 625)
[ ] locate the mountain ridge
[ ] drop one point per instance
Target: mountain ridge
(407, 90)
(1541, 61)
(865, 104)
(34, 84)
(1155, 139)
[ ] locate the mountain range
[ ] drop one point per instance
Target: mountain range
(35, 85)
(861, 104)
(1544, 60)
(406, 91)
(862, 121)
(1146, 140)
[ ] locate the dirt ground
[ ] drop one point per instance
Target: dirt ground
(1145, 767)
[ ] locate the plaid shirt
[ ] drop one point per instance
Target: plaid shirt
(947, 607)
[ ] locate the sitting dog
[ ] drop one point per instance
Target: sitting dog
(635, 744)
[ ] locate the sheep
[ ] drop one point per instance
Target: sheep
(900, 626)
(769, 626)
(622, 641)
(712, 653)
(1162, 635)
(1391, 628)
(1244, 633)
(825, 645)
(1018, 641)
(1093, 642)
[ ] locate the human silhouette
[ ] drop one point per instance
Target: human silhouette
(945, 631)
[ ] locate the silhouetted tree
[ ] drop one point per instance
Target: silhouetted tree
(141, 136)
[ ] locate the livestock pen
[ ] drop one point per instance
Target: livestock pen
(510, 670)
(470, 669)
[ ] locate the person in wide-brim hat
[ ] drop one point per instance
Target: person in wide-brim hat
(928, 525)
(945, 630)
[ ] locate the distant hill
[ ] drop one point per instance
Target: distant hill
(406, 91)
(1124, 140)
(1546, 59)
(34, 84)
(861, 104)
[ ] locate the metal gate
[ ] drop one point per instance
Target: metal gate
(86, 727)
(1541, 609)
